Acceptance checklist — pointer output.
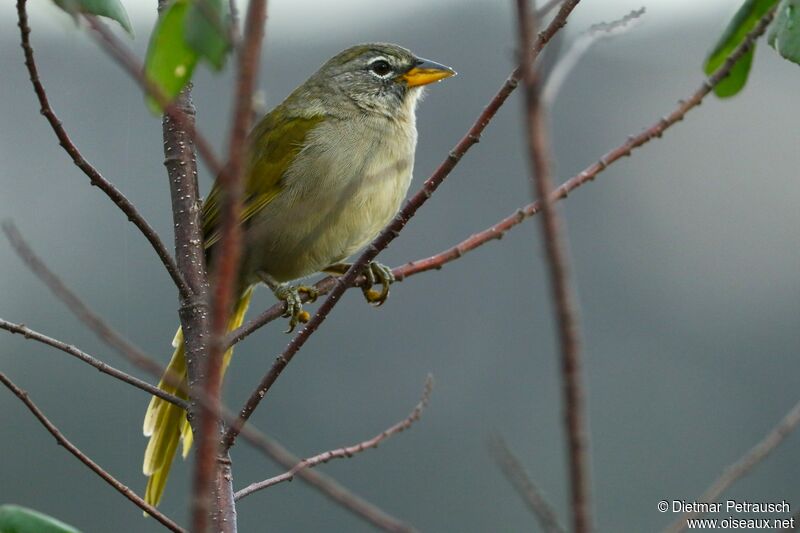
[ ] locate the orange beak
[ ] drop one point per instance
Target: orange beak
(425, 72)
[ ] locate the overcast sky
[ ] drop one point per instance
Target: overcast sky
(331, 15)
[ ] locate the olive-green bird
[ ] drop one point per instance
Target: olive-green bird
(327, 169)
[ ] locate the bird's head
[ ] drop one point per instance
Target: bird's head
(379, 78)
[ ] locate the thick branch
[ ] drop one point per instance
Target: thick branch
(522, 483)
(86, 358)
(226, 270)
(744, 465)
(561, 286)
(97, 469)
(393, 230)
(347, 451)
(91, 172)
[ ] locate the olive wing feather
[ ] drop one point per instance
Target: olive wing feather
(273, 145)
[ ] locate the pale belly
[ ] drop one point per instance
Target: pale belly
(321, 221)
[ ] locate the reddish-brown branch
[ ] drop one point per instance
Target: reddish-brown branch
(393, 230)
(82, 457)
(515, 474)
(347, 451)
(91, 172)
(538, 145)
(225, 280)
(107, 369)
(744, 465)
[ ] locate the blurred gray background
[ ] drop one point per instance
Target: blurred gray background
(686, 259)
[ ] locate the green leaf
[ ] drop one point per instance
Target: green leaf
(112, 9)
(170, 61)
(207, 30)
(742, 23)
(784, 34)
(16, 519)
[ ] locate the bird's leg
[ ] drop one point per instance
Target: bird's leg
(375, 273)
(292, 296)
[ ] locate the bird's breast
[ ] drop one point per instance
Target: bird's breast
(345, 185)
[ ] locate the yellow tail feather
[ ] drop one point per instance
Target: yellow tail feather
(166, 423)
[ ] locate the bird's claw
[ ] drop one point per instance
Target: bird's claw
(377, 273)
(294, 303)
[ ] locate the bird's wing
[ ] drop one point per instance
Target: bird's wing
(274, 143)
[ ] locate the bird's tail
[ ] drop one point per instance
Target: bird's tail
(165, 423)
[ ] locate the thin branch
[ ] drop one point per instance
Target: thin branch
(743, 466)
(347, 451)
(109, 43)
(561, 286)
(28, 333)
(500, 228)
(515, 474)
(393, 230)
(91, 172)
(74, 304)
(328, 486)
(82, 457)
(234, 24)
(226, 263)
(579, 47)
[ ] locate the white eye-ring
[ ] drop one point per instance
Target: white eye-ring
(381, 67)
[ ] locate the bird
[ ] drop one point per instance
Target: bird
(326, 170)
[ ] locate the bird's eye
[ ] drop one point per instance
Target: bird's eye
(380, 67)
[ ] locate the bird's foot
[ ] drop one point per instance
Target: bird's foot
(293, 297)
(377, 273)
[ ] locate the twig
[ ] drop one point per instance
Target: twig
(329, 487)
(561, 286)
(393, 230)
(86, 358)
(109, 43)
(347, 451)
(91, 172)
(226, 273)
(74, 304)
(234, 24)
(500, 228)
(515, 474)
(580, 46)
(82, 457)
(743, 466)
